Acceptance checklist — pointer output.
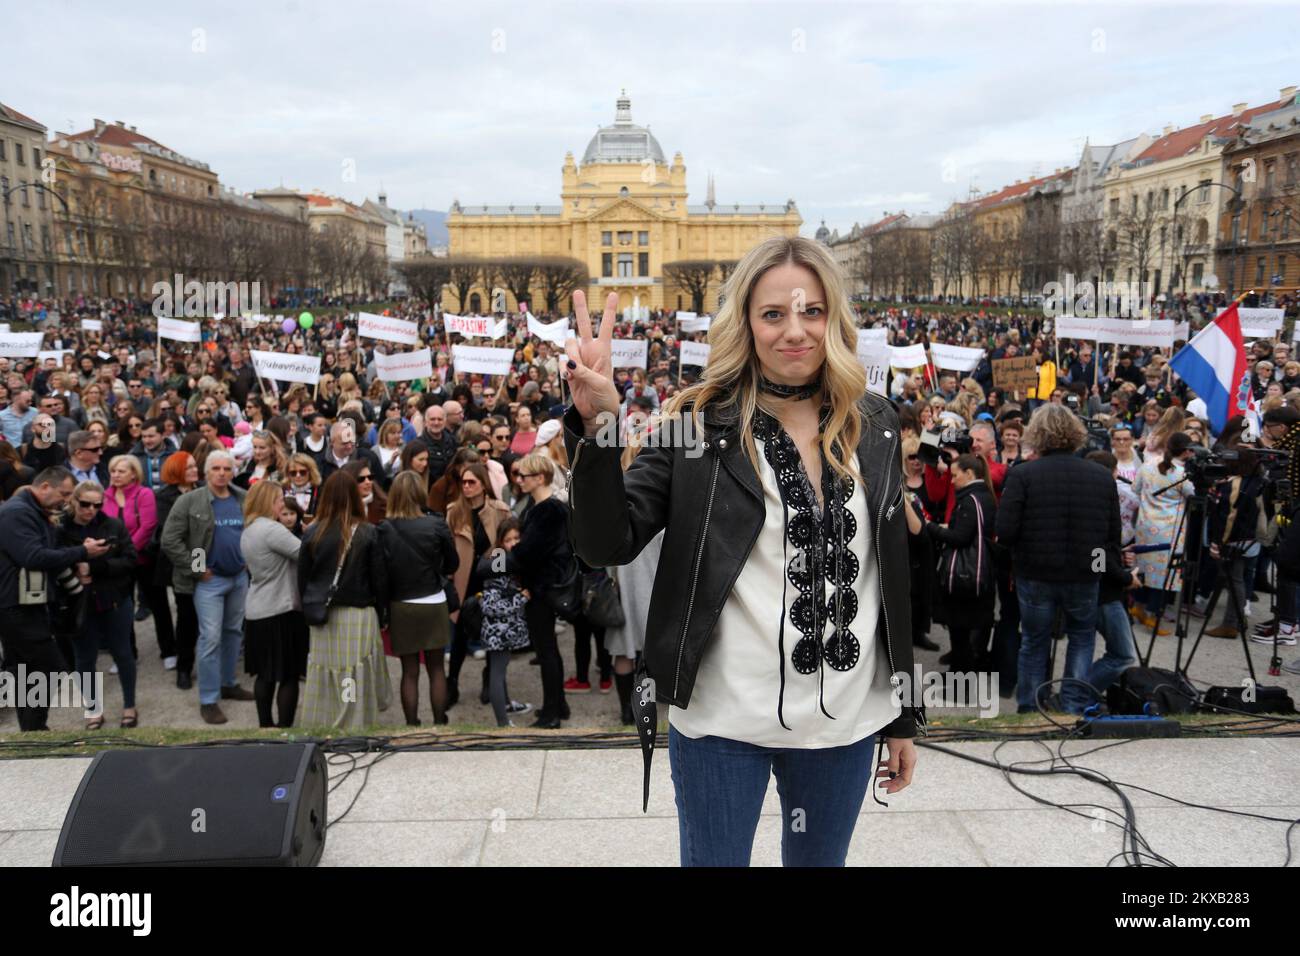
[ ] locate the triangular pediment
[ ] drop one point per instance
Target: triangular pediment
(625, 208)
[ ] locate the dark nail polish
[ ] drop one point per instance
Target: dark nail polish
(572, 365)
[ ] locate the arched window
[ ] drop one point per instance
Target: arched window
(475, 303)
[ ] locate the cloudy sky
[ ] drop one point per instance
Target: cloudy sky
(850, 108)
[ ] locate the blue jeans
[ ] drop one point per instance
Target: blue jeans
(109, 629)
(1121, 649)
(1039, 601)
(219, 606)
(720, 785)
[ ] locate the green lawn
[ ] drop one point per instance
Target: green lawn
(80, 743)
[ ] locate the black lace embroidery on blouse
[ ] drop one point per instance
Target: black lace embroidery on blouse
(822, 567)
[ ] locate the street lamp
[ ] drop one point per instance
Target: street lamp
(4, 196)
(1236, 195)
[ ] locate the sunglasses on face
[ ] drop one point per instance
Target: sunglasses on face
(363, 478)
(96, 450)
(96, 505)
(298, 471)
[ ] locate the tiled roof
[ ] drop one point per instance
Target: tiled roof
(1016, 190)
(1184, 141)
(114, 135)
(13, 115)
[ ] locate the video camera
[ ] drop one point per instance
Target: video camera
(935, 441)
(1098, 433)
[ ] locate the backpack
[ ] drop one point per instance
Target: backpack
(1153, 691)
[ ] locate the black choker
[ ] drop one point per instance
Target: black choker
(792, 392)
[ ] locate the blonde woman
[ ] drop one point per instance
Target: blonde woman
(768, 661)
(302, 482)
(389, 449)
(267, 463)
(551, 444)
(275, 634)
(1170, 424)
(93, 408)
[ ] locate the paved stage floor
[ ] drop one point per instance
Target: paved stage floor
(540, 807)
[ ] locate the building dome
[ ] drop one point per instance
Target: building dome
(624, 142)
(823, 234)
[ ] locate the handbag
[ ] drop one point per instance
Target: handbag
(317, 614)
(565, 596)
(967, 571)
(600, 601)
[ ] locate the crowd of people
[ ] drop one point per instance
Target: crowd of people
(304, 532)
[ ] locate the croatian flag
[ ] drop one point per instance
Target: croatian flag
(1214, 365)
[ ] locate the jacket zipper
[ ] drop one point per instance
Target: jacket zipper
(695, 578)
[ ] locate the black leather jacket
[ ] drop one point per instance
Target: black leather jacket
(712, 495)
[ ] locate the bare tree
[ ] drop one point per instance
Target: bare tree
(694, 276)
(560, 277)
(515, 273)
(425, 276)
(464, 273)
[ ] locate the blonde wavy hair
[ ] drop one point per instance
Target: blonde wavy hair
(732, 375)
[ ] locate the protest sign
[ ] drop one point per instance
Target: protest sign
(179, 330)
(405, 366)
(695, 353)
(20, 344)
(387, 328)
(481, 359)
(628, 353)
(1015, 374)
(287, 367)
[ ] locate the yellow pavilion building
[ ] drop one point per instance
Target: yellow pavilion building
(623, 212)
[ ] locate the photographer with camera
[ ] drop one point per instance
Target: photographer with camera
(31, 571)
(941, 446)
(109, 581)
(1057, 513)
(1233, 516)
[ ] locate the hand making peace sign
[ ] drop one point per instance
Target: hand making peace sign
(590, 370)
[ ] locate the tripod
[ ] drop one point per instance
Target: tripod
(1191, 519)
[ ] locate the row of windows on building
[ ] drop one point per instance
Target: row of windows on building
(23, 198)
(1292, 167)
(19, 153)
(625, 238)
(623, 263)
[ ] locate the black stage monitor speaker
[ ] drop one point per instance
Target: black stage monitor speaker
(245, 805)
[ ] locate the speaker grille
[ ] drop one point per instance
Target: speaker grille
(184, 805)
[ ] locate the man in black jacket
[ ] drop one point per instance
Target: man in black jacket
(1059, 514)
(440, 442)
(29, 568)
(343, 447)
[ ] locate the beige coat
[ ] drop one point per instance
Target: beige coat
(461, 521)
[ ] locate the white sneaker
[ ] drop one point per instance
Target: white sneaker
(480, 654)
(1286, 637)
(169, 663)
(113, 669)
(1292, 667)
